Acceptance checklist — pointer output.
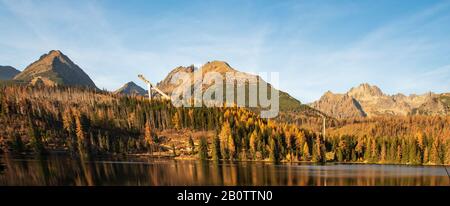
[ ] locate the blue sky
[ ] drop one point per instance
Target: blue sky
(401, 46)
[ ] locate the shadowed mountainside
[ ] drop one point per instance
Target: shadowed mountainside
(8, 72)
(53, 69)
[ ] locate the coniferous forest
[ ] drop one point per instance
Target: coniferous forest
(87, 122)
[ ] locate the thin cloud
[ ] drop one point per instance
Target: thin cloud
(312, 45)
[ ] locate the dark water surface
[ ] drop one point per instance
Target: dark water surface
(60, 170)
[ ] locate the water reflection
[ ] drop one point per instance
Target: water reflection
(63, 170)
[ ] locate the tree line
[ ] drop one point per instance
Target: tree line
(88, 122)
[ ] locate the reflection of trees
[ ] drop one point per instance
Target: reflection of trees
(61, 170)
(2, 166)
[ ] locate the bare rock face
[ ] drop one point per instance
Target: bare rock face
(131, 89)
(8, 72)
(167, 86)
(365, 92)
(287, 102)
(57, 69)
(42, 81)
(437, 105)
(339, 106)
(371, 101)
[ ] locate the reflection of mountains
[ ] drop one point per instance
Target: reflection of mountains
(65, 171)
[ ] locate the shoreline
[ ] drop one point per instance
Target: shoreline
(189, 158)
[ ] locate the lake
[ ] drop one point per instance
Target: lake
(61, 170)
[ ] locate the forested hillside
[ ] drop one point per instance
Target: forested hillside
(86, 123)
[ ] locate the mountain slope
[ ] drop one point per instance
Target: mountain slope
(339, 106)
(371, 101)
(131, 88)
(243, 79)
(437, 105)
(8, 72)
(55, 68)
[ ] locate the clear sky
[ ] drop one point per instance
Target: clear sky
(399, 45)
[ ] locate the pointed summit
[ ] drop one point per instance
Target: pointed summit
(287, 102)
(131, 88)
(365, 90)
(57, 69)
(218, 66)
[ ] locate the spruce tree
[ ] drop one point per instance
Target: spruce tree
(216, 149)
(203, 149)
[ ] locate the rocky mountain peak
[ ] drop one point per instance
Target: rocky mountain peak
(131, 88)
(217, 66)
(365, 90)
(287, 102)
(57, 68)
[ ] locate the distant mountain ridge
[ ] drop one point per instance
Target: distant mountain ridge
(8, 72)
(368, 100)
(131, 89)
(55, 68)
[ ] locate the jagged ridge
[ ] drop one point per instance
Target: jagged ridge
(369, 100)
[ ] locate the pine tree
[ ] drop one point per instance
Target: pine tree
(413, 153)
(299, 142)
(447, 152)
(306, 155)
(148, 136)
(373, 151)
(383, 153)
(231, 147)
(216, 149)
(426, 154)
(35, 138)
(224, 137)
(191, 145)
(17, 143)
(203, 149)
(435, 153)
(359, 149)
(82, 142)
(176, 120)
(318, 155)
(367, 152)
(398, 157)
(274, 153)
(252, 142)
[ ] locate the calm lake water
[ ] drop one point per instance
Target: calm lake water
(62, 170)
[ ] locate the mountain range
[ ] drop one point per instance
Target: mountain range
(368, 100)
(365, 100)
